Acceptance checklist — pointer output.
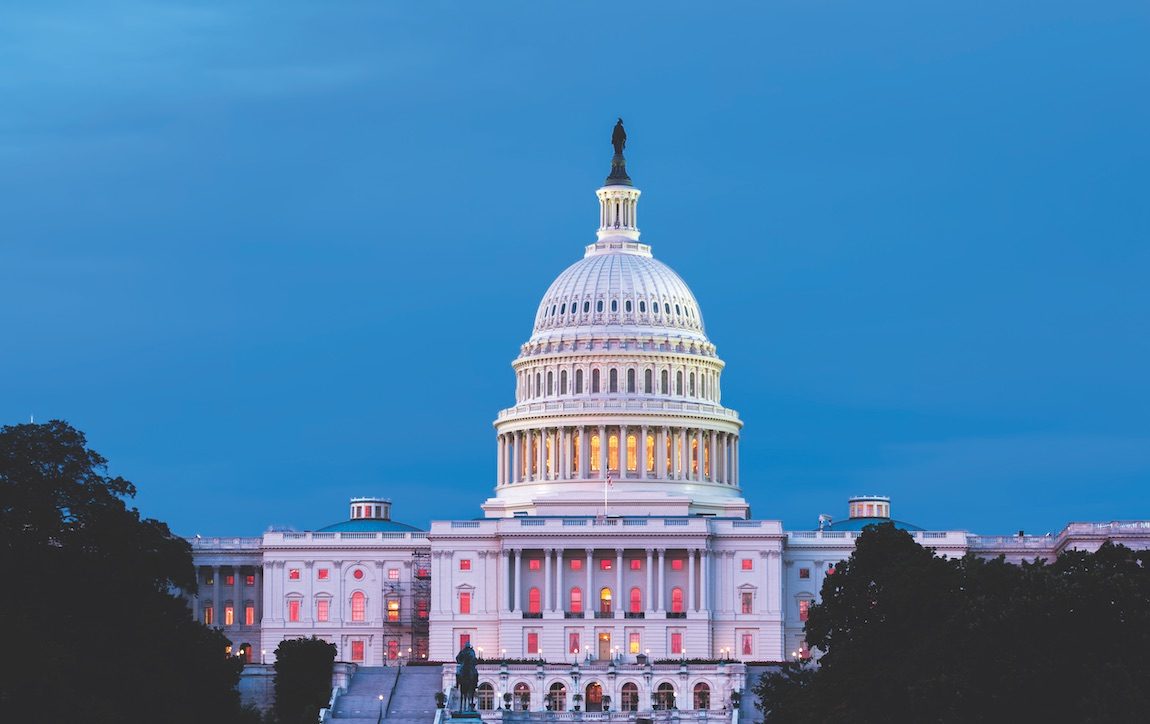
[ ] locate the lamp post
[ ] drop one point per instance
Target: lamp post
(377, 721)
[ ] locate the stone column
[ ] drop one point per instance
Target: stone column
(516, 453)
(704, 578)
(547, 553)
(619, 583)
(661, 453)
(306, 613)
(713, 455)
(735, 460)
(773, 582)
(260, 597)
(685, 453)
(518, 584)
(649, 593)
(540, 453)
(662, 585)
(587, 592)
(217, 597)
(561, 599)
(603, 451)
(690, 579)
(623, 458)
(584, 453)
(699, 455)
(505, 562)
(499, 460)
(237, 597)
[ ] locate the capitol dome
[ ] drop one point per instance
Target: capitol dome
(617, 399)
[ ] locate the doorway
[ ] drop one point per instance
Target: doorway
(604, 647)
(594, 697)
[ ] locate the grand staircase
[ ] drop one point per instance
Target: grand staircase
(408, 695)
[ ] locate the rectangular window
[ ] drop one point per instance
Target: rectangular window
(321, 574)
(392, 649)
(322, 607)
(249, 615)
(229, 615)
(576, 564)
(465, 602)
(804, 610)
(421, 609)
(612, 452)
(573, 642)
(392, 610)
(357, 651)
(804, 573)
(676, 564)
(532, 643)
(293, 610)
(358, 607)
(748, 564)
(464, 639)
(393, 574)
(250, 580)
(636, 564)
(534, 564)
(634, 641)
(230, 579)
(748, 600)
(465, 564)
(209, 616)
(605, 564)
(293, 574)
(676, 643)
(748, 644)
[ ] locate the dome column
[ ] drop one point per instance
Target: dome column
(603, 450)
(700, 455)
(643, 452)
(712, 446)
(624, 458)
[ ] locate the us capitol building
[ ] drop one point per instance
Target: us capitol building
(617, 534)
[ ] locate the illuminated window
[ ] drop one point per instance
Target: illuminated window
(694, 455)
(632, 453)
(359, 607)
(357, 651)
(576, 600)
(594, 381)
(293, 610)
(249, 615)
(612, 452)
(670, 467)
(209, 578)
(322, 609)
(748, 601)
(595, 453)
(748, 641)
(209, 616)
(636, 564)
(573, 642)
(605, 600)
(357, 574)
(676, 600)
(548, 455)
(576, 564)
(293, 574)
(707, 460)
(631, 381)
(321, 574)
(421, 609)
(679, 452)
(393, 574)
(533, 605)
(250, 580)
(613, 380)
(650, 453)
(636, 600)
(464, 602)
(676, 564)
(648, 381)
(534, 453)
(392, 649)
(534, 564)
(748, 564)
(804, 573)
(392, 610)
(870, 510)
(575, 453)
(634, 641)
(464, 639)
(606, 564)
(578, 382)
(532, 643)
(229, 615)
(230, 579)
(465, 564)
(676, 643)
(804, 609)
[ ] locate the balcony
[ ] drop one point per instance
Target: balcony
(529, 614)
(573, 614)
(634, 614)
(676, 614)
(604, 614)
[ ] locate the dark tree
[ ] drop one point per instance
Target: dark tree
(913, 637)
(93, 630)
(303, 679)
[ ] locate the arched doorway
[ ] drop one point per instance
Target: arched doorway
(485, 697)
(702, 696)
(522, 697)
(605, 601)
(594, 696)
(557, 697)
(664, 697)
(630, 697)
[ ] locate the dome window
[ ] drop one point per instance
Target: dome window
(586, 307)
(563, 308)
(642, 307)
(599, 306)
(631, 381)
(627, 306)
(613, 376)
(578, 382)
(666, 307)
(614, 305)
(552, 310)
(647, 381)
(678, 313)
(594, 381)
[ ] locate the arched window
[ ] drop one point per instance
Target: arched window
(663, 388)
(613, 452)
(647, 381)
(605, 600)
(594, 381)
(692, 380)
(358, 606)
(632, 453)
(664, 697)
(596, 446)
(636, 600)
(533, 604)
(557, 697)
(485, 696)
(538, 384)
(629, 701)
(576, 605)
(563, 382)
(650, 453)
(522, 696)
(679, 382)
(631, 381)
(613, 380)
(676, 600)
(551, 382)
(702, 698)
(578, 382)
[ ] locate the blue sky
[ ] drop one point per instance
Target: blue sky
(269, 255)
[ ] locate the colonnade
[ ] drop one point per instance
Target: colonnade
(638, 452)
(235, 593)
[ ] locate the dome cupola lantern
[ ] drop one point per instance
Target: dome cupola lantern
(618, 198)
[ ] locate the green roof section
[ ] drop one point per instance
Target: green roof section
(369, 525)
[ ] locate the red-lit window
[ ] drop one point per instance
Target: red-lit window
(357, 651)
(464, 639)
(676, 643)
(804, 610)
(748, 564)
(676, 564)
(293, 574)
(357, 574)
(748, 601)
(532, 643)
(605, 564)
(464, 602)
(249, 615)
(534, 564)
(392, 649)
(636, 600)
(465, 564)
(393, 574)
(230, 579)
(533, 605)
(293, 610)
(358, 606)
(804, 573)
(392, 610)
(576, 600)
(804, 650)
(676, 600)
(748, 644)
(321, 574)
(421, 609)
(229, 615)
(576, 564)
(573, 642)
(322, 609)
(209, 616)
(636, 564)
(422, 572)
(831, 571)
(250, 580)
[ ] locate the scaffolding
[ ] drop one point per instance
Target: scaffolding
(407, 605)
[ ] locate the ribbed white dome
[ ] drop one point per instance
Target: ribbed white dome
(619, 284)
